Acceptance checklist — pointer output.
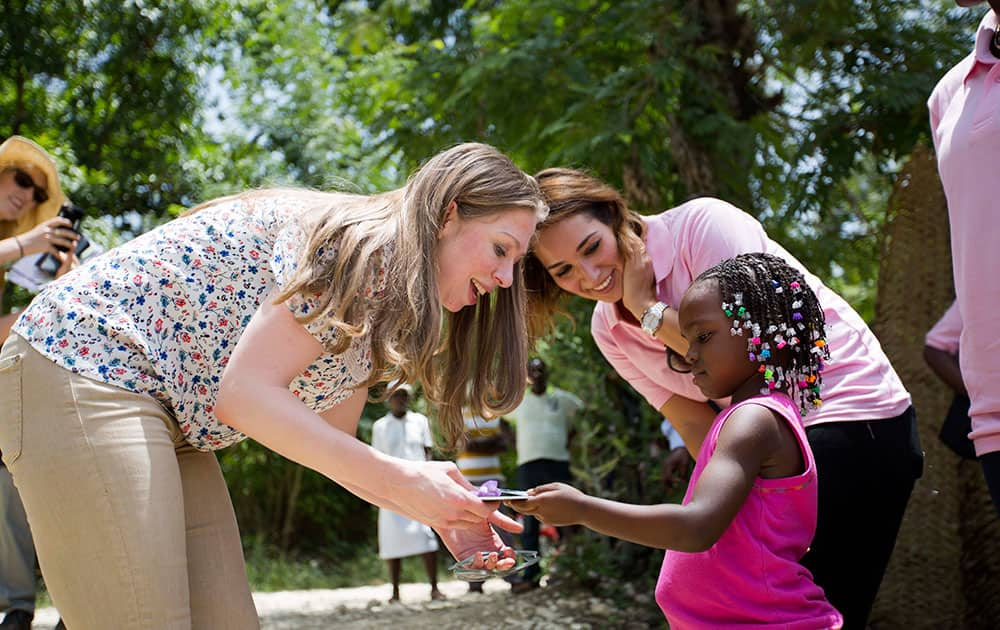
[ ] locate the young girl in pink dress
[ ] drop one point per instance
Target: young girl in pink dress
(756, 333)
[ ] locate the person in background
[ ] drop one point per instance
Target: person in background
(941, 354)
(676, 461)
(479, 459)
(964, 114)
(30, 197)
(407, 435)
(543, 426)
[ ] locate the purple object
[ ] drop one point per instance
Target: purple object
(489, 489)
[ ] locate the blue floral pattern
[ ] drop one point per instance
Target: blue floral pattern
(161, 314)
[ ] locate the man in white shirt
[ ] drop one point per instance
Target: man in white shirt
(543, 425)
(407, 435)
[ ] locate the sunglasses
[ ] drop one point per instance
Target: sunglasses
(24, 180)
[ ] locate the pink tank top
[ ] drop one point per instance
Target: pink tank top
(751, 577)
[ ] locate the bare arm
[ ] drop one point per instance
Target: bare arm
(640, 294)
(42, 238)
(461, 542)
(254, 398)
(669, 332)
(749, 439)
(945, 366)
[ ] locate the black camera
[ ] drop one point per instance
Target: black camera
(75, 216)
(48, 263)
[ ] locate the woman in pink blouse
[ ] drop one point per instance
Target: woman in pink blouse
(637, 268)
(266, 315)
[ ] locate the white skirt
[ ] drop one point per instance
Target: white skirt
(399, 537)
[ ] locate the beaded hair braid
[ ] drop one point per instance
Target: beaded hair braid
(771, 304)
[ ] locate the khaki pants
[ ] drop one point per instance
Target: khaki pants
(134, 529)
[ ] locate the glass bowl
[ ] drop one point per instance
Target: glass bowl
(464, 571)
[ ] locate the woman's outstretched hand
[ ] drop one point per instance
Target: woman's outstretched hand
(482, 543)
(436, 493)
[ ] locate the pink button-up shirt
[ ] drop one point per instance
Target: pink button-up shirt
(858, 382)
(965, 121)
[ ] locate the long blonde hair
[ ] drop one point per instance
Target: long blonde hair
(478, 356)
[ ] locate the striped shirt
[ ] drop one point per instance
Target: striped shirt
(480, 467)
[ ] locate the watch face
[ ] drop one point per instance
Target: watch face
(651, 319)
(649, 322)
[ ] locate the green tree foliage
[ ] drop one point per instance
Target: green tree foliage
(797, 112)
(113, 89)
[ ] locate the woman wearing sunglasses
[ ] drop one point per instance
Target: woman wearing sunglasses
(30, 197)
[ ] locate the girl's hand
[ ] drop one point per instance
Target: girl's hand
(554, 503)
(638, 281)
(438, 494)
(44, 237)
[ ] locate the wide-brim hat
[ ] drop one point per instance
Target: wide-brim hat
(19, 151)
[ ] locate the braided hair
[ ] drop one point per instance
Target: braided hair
(773, 307)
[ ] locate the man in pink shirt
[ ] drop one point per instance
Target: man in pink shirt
(965, 122)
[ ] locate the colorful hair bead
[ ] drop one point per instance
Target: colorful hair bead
(765, 354)
(781, 344)
(755, 341)
(796, 316)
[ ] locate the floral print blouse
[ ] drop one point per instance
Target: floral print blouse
(161, 314)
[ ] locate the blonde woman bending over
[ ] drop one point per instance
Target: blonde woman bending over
(265, 315)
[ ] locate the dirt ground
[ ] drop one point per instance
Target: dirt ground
(367, 607)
